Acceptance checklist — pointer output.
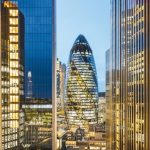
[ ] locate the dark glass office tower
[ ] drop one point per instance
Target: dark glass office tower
(81, 86)
(39, 27)
(38, 46)
(130, 74)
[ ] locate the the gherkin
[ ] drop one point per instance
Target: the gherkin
(81, 86)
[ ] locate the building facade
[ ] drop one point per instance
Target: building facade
(109, 114)
(38, 123)
(101, 109)
(94, 139)
(61, 77)
(38, 46)
(28, 43)
(11, 74)
(81, 86)
(130, 75)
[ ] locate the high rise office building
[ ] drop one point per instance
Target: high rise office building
(38, 45)
(81, 86)
(39, 48)
(28, 39)
(11, 74)
(130, 75)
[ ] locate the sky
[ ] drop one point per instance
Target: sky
(90, 18)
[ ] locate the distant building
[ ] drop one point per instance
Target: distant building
(79, 134)
(29, 89)
(11, 75)
(94, 139)
(102, 108)
(81, 86)
(61, 77)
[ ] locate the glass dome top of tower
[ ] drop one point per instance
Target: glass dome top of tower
(81, 40)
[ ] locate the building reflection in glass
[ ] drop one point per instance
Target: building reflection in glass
(38, 61)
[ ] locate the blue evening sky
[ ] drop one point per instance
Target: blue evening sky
(90, 18)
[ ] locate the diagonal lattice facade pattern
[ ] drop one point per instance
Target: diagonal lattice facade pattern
(81, 86)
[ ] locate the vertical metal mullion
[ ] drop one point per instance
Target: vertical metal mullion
(146, 75)
(0, 81)
(54, 102)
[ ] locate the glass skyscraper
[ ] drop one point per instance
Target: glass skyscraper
(81, 86)
(130, 75)
(39, 25)
(28, 39)
(38, 45)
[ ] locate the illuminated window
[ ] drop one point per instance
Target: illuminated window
(14, 82)
(13, 47)
(13, 12)
(14, 90)
(13, 72)
(14, 107)
(14, 98)
(14, 124)
(14, 115)
(13, 38)
(13, 29)
(13, 21)
(14, 64)
(13, 55)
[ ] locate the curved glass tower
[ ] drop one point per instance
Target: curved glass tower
(81, 86)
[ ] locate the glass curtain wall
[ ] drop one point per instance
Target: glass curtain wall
(81, 86)
(27, 37)
(129, 19)
(38, 61)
